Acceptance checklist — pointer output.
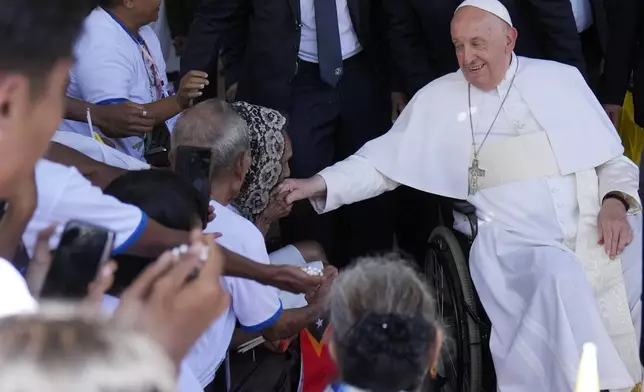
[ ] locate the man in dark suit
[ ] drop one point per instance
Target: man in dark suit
(322, 63)
(421, 48)
(624, 58)
(592, 26)
(180, 14)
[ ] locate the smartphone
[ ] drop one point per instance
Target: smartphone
(82, 250)
(193, 165)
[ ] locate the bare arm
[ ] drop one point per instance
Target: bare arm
(292, 321)
(115, 120)
(100, 174)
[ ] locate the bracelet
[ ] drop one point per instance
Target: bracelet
(619, 197)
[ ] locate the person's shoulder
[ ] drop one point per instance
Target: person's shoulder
(441, 86)
(148, 34)
(100, 31)
(546, 67)
(98, 22)
(233, 227)
(48, 171)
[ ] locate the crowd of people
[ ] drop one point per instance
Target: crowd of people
(347, 130)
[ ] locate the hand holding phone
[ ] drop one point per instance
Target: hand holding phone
(82, 251)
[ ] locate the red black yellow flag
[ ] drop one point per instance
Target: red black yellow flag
(318, 369)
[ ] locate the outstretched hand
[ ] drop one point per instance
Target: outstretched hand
(294, 279)
(294, 190)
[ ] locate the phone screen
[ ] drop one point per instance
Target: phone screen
(193, 165)
(80, 253)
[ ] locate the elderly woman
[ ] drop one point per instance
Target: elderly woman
(386, 336)
(270, 152)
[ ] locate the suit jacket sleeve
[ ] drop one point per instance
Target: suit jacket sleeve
(233, 48)
(179, 14)
(350, 181)
(622, 21)
(405, 42)
(558, 32)
(212, 20)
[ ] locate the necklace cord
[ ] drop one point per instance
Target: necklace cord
(469, 108)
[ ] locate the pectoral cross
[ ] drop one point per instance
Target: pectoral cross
(474, 173)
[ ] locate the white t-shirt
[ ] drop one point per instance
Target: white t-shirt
(98, 151)
(186, 381)
(14, 294)
(255, 305)
(110, 68)
(64, 195)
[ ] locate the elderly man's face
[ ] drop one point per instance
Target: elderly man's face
(484, 45)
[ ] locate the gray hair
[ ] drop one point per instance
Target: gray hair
(214, 124)
(61, 350)
(383, 288)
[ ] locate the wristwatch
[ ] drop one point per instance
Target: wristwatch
(617, 196)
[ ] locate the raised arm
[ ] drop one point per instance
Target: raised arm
(349, 181)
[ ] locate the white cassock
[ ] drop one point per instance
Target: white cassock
(551, 157)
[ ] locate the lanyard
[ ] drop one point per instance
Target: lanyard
(157, 85)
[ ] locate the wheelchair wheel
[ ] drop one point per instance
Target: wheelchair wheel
(460, 364)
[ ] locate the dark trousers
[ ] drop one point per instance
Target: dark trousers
(593, 56)
(417, 215)
(328, 124)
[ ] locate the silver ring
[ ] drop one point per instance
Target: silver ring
(145, 113)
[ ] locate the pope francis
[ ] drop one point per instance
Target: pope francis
(556, 262)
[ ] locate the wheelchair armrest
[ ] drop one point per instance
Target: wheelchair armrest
(468, 210)
(464, 207)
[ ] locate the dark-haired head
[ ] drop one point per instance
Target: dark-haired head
(164, 197)
(37, 37)
(385, 334)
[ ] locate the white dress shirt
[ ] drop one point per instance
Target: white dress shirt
(308, 38)
(583, 14)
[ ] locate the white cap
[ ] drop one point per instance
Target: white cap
(492, 6)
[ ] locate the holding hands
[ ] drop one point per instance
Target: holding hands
(293, 190)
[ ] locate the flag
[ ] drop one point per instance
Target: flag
(318, 369)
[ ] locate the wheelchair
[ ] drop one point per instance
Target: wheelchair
(465, 364)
